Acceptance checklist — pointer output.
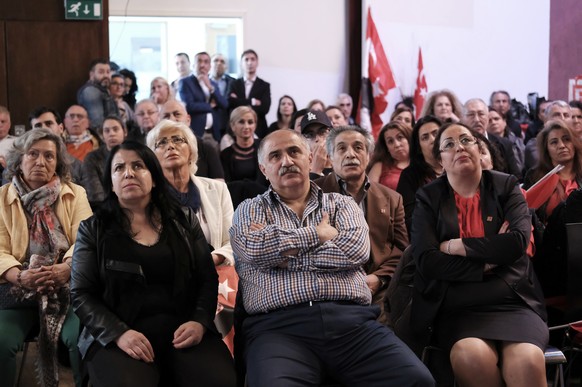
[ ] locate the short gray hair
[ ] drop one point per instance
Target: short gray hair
(22, 145)
(330, 141)
(261, 151)
(164, 125)
(345, 95)
(473, 100)
(559, 103)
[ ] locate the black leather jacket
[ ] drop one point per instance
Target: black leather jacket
(105, 291)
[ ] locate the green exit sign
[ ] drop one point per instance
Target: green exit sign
(83, 9)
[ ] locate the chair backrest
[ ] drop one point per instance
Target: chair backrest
(574, 233)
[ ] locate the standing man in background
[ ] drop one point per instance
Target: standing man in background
(184, 69)
(346, 104)
(250, 90)
(224, 81)
(94, 95)
(202, 98)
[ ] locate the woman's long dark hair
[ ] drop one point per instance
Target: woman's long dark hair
(279, 115)
(417, 160)
(163, 205)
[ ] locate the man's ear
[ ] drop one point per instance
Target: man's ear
(262, 169)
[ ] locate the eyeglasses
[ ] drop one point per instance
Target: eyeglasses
(176, 140)
(148, 113)
(77, 116)
(117, 84)
(312, 134)
(449, 145)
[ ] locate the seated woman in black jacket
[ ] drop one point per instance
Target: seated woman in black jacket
(475, 286)
(144, 285)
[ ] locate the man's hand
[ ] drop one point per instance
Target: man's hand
(136, 345)
(319, 155)
(324, 230)
(188, 334)
(373, 282)
(204, 79)
(257, 227)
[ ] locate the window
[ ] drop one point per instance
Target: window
(147, 45)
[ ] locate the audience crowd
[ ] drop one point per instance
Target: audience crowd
(310, 217)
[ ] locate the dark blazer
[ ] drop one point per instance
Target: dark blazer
(93, 170)
(505, 148)
(385, 217)
(435, 220)
(192, 95)
(106, 284)
(261, 90)
(411, 179)
(208, 162)
(224, 113)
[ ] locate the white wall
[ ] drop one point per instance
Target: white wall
(469, 46)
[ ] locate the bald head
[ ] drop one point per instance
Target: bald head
(146, 114)
(175, 111)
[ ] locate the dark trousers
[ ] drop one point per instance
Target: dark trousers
(301, 346)
(207, 364)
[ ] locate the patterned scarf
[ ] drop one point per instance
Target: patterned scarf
(78, 139)
(47, 245)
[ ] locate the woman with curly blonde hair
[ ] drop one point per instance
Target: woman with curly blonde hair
(444, 105)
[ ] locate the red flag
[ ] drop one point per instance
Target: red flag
(421, 87)
(227, 288)
(541, 191)
(382, 83)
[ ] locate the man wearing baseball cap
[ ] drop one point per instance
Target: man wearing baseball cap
(315, 127)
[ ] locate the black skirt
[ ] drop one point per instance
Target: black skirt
(488, 310)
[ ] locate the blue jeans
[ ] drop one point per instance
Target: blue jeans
(304, 345)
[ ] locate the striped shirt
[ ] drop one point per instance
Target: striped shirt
(329, 271)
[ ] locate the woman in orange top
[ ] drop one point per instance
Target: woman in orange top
(391, 154)
(557, 144)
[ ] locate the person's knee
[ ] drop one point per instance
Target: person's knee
(472, 354)
(70, 331)
(523, 356)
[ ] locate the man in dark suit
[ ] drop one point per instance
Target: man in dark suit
(252, 91)
(202, 98)
(218, 74)
(476, 117)
(349, 150)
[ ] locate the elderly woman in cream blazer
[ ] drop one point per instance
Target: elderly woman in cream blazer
(175, 146)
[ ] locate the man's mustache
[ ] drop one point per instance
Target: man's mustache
(351, 162)
(292, 168)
